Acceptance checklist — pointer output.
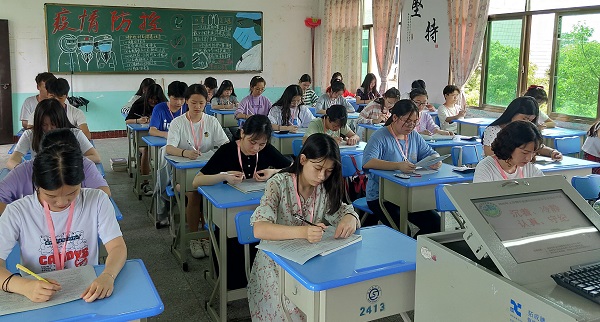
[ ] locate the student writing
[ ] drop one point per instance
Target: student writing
(140, 92)
(378, 111)
(287, 114)
(426, 124)
(334, 124)
(540, 96)
(31, 102)
(255, 103)
(164, 113)
(309, 97)
(225, 98)
(333, 96)
(367, 90)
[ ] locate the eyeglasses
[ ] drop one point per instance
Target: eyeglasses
(410, 122)
(420, 103)
(258, 89)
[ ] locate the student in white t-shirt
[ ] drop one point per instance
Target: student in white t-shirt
(514, 148)
(31, 102)
(60, 212)
(190, 135)
(287, 114)
(451, 110)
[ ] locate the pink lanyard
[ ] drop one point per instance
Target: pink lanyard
(173, 115)
(403, 153)
(314, 196)
(503, 173)
(240, 159)
(59, 261)
(194, 136)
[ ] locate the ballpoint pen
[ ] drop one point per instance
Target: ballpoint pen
(193, 147)
(306, 221)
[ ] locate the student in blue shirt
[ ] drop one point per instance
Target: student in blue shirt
(397, 146)
(163, 113)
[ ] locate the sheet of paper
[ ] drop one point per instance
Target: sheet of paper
(358, 146)
(74, 281)
(300, 250)
(205, 156)
(250, 185)
(431, 160)
(544, 160)
(437, 137)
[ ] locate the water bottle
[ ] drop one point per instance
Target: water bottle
(597, 206)
(295, 121)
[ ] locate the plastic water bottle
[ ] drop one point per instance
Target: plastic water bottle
(597, 206)
(295, 121)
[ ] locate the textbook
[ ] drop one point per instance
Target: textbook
(437, 137)
(300, 250)
(249, 185)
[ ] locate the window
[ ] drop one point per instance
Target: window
(366, 36)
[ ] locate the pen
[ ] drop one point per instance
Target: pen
(193, 147)
(305, 221)
(26, 270)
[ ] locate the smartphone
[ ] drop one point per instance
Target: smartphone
(401, 175)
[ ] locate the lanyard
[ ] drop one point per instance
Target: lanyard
(59, 261)
(503, 173)
(197, 138)
(254, 109)
(173, 115)
(314, 196)
(403, 153)
(240, 159)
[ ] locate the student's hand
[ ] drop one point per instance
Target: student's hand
(556, 155)
(40, 291)
(191, 154)
(435, 166)
(264, 175)
(143, 120)
(293, 128)
(430, 107)
(462, 113)
(234, 177)
(541, 126)
(426, 132)
(353, 140)
(314, 234)
(382, 118)
(406, 167)
(449, 133)
(338, 139)
(100, 288)
(346, 227)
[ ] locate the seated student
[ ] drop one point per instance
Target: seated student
(309, 97)
(211, 87)
(164, 113)
(451, 110)
(141, 90)
(225, 98)
(287, 114)
(426, 125)
(514, 148)
(523, 108)
(396, 146)
(337, 77)
(18, 184)
(378, 111)
(190, 135)
(59, 90)
(31, 102)
(591, 146)
(48, 115)
(368, 90)
(333, 96)
(540, 96)
(63, 217)
(313, 188)
(255, 103)
(334, 124)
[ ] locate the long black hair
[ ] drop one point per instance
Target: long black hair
(390, 93)
(257, 126)
(401, 108)
(144, 86)
(53, 110)
(154, 91)
(285, 101)
(366, 84)
(226, 84)
(58, 164)
(521, 105)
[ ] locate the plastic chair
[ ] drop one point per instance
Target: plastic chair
(296, 147)
(245, 235)
(208, 110)
(587, 186)
(444, 206)
(570, 145)
(313, 110)
(351, 167)
(13, 259)
(466, 155)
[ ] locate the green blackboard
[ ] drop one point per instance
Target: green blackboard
(106, 39)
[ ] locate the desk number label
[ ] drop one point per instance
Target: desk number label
(378, 307)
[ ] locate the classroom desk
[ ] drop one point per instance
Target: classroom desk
(470, 126)
(369, 130)
(220, 205)
(134, 298)
(362, 282)
(569, 167)
(416, 193)
(183, 175)
(560, 132)
(137, 131)
(283, 142)
(226, 117)
(154, 144)
(444, 147)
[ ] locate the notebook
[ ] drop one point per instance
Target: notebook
(250, 185)
(437, 137)
(205, 156)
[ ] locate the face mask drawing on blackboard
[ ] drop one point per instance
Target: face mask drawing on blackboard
(85, 43)
(68, 59)
(245, 34)
(105, 57)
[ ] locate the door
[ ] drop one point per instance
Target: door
(6, 124)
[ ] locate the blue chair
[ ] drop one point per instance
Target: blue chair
(13, 259)
(570, 145)
(444, 206)
(313, 110)
(466, 155)
(208, 110)
(296, 147)
(245, 235)
(241, 122)
(587, 186)
(351, 167)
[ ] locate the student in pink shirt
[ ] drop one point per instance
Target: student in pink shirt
(255, 103)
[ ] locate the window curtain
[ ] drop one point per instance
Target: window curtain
(467, 21)
(386, 15)
(342, 42)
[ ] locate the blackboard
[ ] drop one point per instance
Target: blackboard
(107, 39)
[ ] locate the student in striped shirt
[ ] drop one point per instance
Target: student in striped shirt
(309, 97)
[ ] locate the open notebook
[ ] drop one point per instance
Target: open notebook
(300, 250)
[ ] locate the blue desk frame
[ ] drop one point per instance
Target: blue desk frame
(154, 144)
(470, 126)
(283, 142)
(135, 134)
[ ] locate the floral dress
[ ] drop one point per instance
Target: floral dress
(278, 205)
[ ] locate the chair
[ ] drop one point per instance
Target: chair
(245, 235)
(466, 155)
(13, 259)
(570, 145)
(587, 186)
(208, 110)
(296, 147)
(313, 110)
(351, 165)
(444, 206)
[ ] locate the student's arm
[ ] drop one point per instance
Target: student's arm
(2, 207)
(549, 123)
(201, 179)
(489, 135)
(349, 107)
(312, 129)
(103, 285)
(320, 104)
(351, 137)
(487, 150)
(86, 131)
(359, 97)
(93, 155)
(156, 132)
(106, 189)
(550, 152)
(373, 155)
(14, 160)
(34, 290)
(242, 109)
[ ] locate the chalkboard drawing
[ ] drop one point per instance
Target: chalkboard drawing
(85, 43)
(104, 54)
(177, 22)
(248, 24)
(213, 20)
(68, 53)
(199, 60)
(178, 41)
(178, 60)
(251, 59)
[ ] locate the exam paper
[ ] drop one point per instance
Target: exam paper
(431, 160)
(205, 156)
(437, 137)
(250, 185)
(539, 159)
(74, 282)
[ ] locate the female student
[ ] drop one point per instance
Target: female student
(426, 125)
(337, 77)
(255, 103)
(287, 114)
(523, 108)
(540, 96)
(190, 135)
(143, 87)
(378, 111)
(225, 98)
(141, 110)
(514, 148)
(17, 182)
(164, 113)
(591, 146)
(334, 124)
(451, 110)
(58, 228)
(309, 97)
(397, 146)
(312, 188)
(368, 90)
(48, 115)
(333, 96)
